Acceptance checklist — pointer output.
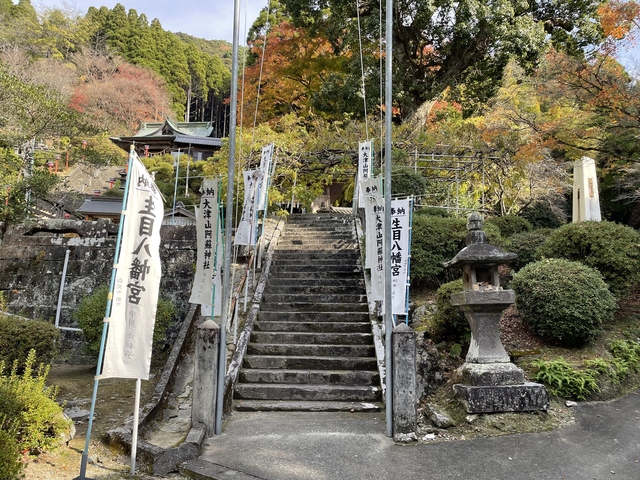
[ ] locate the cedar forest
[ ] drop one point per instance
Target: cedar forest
(525, 87)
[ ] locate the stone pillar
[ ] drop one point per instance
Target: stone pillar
(404, 383)
(205, 376)
(586, 202)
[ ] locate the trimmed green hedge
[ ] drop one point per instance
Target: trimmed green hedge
(448, 322)
(435, 240)
(18, 337)
(510, 225)
(562, 301)
(610, 248)
(525, 245)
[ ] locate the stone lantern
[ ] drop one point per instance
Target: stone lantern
(491, 383)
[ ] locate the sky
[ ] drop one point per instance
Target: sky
(209, 20)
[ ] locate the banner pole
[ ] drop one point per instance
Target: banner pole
(105, 327)
(388, 317)
(222, 358)
(411, 200)
(134, 436)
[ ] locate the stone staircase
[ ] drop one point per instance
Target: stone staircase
(312, 347)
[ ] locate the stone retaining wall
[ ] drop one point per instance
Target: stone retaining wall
(32, 259)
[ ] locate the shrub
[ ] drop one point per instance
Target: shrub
(90, 317)
(593, 375)
(407, 182)
(562, 301)
(628, 352)
(10, 464)
(525, 245)
(610, 248)
(448, 322)
(565, 381)
(510, 225)
(18, 337)
(29, 408)
(435, 240)
(541, 215)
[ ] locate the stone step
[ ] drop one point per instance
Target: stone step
(315, 338)
(315, 377)
(297, 350)
(305, 406)
(305, 281)
(307, 338)
(317, 244)
(316, 276)
(324, 230)
(314, 298)
(322, 262)
(319, 327)
(348, 255)
(314, 218)
(314, 307)
(317, 238)
(310, 363)
(342, 317)
(284, 391)
(313, 289)
(315, 268)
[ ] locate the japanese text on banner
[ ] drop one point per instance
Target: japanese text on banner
(137, 280)
(400, 251)
(365, 164)
(207, 281)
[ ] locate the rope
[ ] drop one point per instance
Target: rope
(380, 70)
(264, 48)
(364, 92)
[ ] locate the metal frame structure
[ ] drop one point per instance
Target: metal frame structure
(451, 169)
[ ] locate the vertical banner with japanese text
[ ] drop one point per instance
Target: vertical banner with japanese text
(265, 170)
(245, 233)
(365, 164)
(371, 188)
(400, 252)
(137, 280)
(207, 283)
(377, 267)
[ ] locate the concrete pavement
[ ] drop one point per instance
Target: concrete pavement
(604, 443)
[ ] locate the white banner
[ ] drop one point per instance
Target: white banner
(137, 280)
(400, 251)
(377, 268)
(371, 188)
(245, 233)
(207, 281)
(265, 169)
(365, 164)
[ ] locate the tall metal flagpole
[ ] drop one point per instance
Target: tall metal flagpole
(228, 224)
(388, 317)
(105, 327)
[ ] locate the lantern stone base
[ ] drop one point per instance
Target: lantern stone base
(526, 397)
(488, 374)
